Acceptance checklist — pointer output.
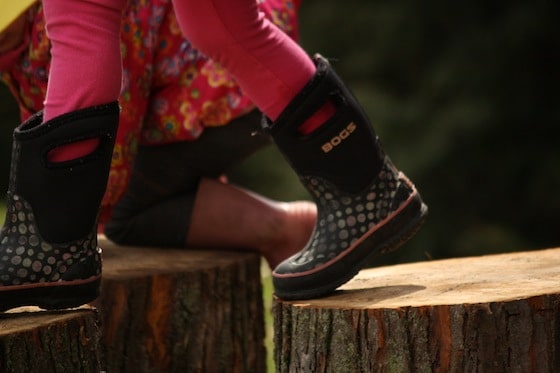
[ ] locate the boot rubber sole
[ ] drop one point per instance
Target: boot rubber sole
(50, 295)
(385, 237)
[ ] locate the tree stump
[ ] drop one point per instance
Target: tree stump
(173, 310)
(495, 313)
(32, 340)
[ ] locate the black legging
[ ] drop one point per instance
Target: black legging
(157, 207)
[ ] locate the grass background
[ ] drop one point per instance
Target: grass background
(269, 325)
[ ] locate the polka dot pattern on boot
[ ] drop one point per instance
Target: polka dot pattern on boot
(343, 219)
(25, 258)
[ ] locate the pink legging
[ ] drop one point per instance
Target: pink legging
(86, 61)
(86, 67)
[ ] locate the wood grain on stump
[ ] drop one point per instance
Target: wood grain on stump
(171, 310)
(495, 313)
(32, 340)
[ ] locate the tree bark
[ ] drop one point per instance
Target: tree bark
(496, 313)
(50, 341)
(171, 310)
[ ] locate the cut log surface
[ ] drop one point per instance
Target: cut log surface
(171, 310)
(32, 340)
(495, 313)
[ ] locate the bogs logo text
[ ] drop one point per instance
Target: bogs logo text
(338, 139)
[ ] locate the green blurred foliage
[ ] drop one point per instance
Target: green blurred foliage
(464, 96)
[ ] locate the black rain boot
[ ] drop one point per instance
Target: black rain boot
(365, 205)
(48, 244)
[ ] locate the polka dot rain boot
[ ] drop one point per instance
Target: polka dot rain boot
(48, 244)
(365, 205)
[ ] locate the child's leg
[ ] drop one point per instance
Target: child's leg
(366, 206)
(48, 244)
(268, 65)
(175, 199)
(86, 60)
